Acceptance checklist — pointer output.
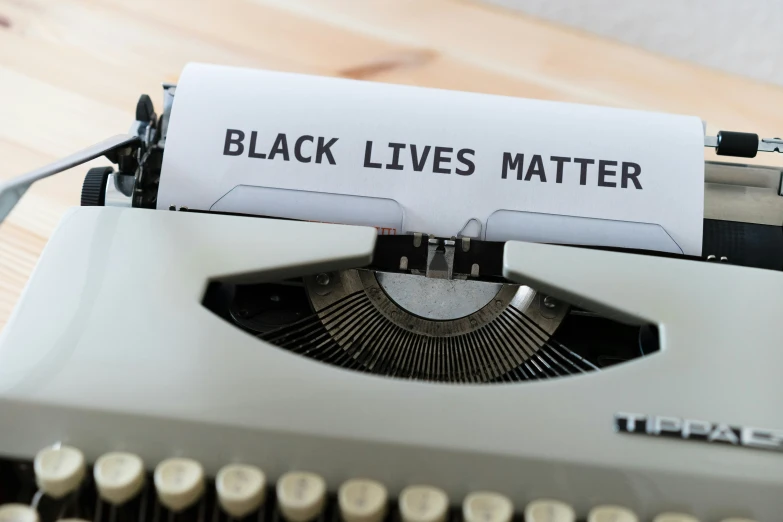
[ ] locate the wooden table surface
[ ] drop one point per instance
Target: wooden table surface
(72, 70)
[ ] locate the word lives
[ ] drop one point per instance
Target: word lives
(440, 159)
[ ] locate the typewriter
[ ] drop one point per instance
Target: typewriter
(185, 365)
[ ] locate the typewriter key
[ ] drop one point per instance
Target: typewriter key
(301, 496)
(59, 470)
(179, 483)
(362, 500)
(240, 489)
(423, 504)
(18, 513)
(675, 517)
(118, 476)
(611, 514)
(487, 507)
(546, 510)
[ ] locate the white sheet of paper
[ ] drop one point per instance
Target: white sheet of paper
(430, 160)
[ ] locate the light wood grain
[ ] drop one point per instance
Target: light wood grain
(72, 70)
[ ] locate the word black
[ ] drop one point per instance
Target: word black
(628, 171)
(441, 157)
(303, 149)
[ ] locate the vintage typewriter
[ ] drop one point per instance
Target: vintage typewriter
(200, 366)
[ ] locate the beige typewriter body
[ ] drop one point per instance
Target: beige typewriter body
(111, 349)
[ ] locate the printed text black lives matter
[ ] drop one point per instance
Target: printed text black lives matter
(438, 160)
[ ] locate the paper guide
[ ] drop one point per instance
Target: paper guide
(408, 159)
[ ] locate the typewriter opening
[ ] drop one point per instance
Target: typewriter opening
(394, 320)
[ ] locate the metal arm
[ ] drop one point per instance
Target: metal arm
(742, 144)
(12, 190)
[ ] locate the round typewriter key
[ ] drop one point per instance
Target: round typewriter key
(18, 513)
(301, 495)
(59, 470)
(484, 506)
(675, 517)
(118, 476)
(423, 504)
(547, 510)
(179, 483)
(611, 514)
(362, 500)
(240, 489)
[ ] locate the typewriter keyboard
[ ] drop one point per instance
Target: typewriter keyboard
(60, 486)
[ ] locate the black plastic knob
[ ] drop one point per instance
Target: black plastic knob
(145, 110)
(94, 186)
(737, 144)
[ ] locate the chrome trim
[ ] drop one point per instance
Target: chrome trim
(119, 190)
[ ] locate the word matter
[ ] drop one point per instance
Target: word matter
(604, 172)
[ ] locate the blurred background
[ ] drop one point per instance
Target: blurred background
(738, 37)
(72, 70)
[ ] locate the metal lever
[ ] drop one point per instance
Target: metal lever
(440, 258)
(12, 190)
(771, 145)
(742, 144)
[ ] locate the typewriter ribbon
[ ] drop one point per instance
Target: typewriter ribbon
(406, 159)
